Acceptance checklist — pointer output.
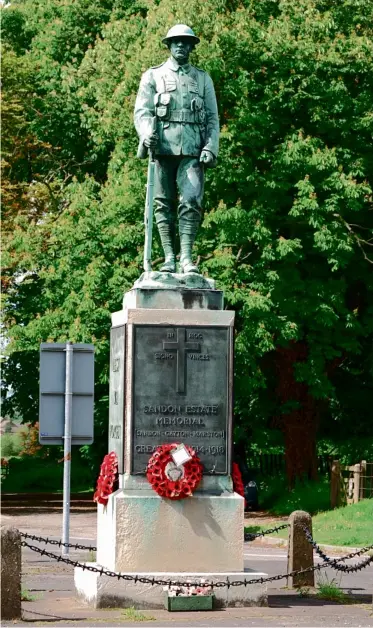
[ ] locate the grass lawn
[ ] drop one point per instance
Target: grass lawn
(350, 525)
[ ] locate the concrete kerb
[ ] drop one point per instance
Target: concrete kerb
(339, 549)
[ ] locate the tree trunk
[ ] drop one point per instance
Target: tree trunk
(299, 425)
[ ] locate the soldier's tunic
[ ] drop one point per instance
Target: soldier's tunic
(183, 100)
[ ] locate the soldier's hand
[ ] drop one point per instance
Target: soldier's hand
(151, 141)
(206, 157)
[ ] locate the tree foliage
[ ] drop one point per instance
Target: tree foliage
(287, 230)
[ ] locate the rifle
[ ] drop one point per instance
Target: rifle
(148, 217)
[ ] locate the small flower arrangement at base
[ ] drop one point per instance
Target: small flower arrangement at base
(189, 598)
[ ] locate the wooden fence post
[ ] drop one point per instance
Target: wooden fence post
(335, 484)
(300, 551)
(357, 472)
(363, 467)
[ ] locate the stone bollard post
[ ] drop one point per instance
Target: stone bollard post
(10, 573)
(300, 551)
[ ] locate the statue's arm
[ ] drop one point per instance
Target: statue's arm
(212, 119)
(144, 106)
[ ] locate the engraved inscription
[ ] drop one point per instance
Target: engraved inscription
(199, 449)
(180, 346)
(164, 356)
(204, 409)
(114, 431)
(180, 393)
(165, 420)
(116, 393)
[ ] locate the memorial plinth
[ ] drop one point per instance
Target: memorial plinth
(177, 369)
(177, 365)
(171, 381)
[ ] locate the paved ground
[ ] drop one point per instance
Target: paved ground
(50, 585)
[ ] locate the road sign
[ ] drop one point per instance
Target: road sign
(53, 393)
(66, 407)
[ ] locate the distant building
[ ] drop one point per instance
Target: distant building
(8, 426)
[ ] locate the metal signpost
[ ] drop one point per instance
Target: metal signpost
(66, 406)
(67, 450)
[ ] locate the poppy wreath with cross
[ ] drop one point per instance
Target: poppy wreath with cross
(169, 480)
(107, 480)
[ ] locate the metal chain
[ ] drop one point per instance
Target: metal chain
(328, 560)
(249, 536)
(41, 539)
(334, 563)
(225, 583)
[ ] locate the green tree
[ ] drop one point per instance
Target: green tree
(288, 222)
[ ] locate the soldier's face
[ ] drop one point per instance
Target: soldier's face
(180, 49)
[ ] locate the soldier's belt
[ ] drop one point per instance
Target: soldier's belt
(190, 117)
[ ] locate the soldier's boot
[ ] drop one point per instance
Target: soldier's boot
(166, 232)
(186, 246)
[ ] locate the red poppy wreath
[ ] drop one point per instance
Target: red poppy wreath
(168, 479)
(107, 479)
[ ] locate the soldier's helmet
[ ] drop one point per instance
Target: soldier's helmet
(181, 30)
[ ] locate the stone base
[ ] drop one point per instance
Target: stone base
(156, 279)
(181, 298)
(138, 531)
(105, 591)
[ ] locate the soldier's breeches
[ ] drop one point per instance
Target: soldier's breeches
(179, 181)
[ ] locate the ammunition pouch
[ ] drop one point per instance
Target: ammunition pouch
(162, 102)
(162, 112)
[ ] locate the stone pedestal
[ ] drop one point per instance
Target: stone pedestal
(171, 381)
(140, 531)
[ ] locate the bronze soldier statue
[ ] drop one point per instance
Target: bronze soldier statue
(184, 141)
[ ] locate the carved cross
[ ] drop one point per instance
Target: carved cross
(181, 347)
